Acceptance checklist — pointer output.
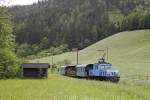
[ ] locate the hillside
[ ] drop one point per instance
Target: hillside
(128, 52)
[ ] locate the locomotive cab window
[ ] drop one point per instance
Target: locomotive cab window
(96, 67)
(102, 67)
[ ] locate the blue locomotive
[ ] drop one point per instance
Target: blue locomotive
(101, 71)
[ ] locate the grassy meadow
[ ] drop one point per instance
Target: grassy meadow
(129, 52)
(58, 87)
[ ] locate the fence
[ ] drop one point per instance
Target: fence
(138, 78)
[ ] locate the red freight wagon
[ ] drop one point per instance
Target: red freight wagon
(71, 70)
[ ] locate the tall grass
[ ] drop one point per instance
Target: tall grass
(65, 88)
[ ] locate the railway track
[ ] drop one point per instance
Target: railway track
(136, 80)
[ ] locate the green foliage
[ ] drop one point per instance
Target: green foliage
(8, 61)
(63, 62)
(74, 24)
(26, 49)
(29, 52)
(53, 51)
(77, 23)
(58, 50)
(136, 20)
(44, 43)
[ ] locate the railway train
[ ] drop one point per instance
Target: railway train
(101, 71)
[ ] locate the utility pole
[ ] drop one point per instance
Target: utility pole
(52, 68)
(52, 59)
(77, 56)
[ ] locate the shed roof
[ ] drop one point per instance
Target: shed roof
(35, 65)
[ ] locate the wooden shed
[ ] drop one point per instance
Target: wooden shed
(35, 70)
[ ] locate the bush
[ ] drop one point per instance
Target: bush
(64, 62)
(25, 50)
(58, 50)
(8, 64)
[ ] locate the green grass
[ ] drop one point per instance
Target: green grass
(64, 88)
(129, 52)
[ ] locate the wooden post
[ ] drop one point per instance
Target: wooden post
(77, 54)
(46, 73)
(52, 63)
(77, 57)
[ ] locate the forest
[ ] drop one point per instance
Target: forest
(67, 24)
(61, 25)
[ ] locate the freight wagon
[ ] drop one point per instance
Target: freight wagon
(71, 70)
(83, 70)
(63, 70)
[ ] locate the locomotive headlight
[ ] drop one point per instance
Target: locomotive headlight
(116, 73)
